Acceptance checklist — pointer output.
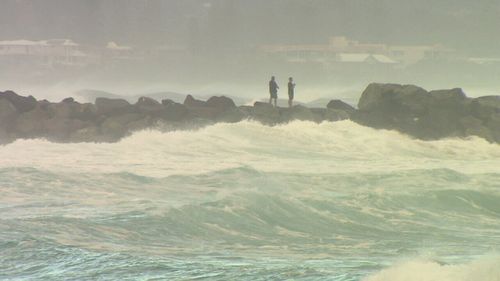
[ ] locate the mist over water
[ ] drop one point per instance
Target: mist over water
(303, 201)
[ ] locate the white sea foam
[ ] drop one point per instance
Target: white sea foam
(295, 147)
(420, 270)
(346, 196)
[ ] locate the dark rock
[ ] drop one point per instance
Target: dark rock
(70, 99)
(474, 127)
(485, 107)
(394, 99)
(200, 109)
(233, 115)
(265, 113)
(7, 114)
(413, 110)
(87, 134)
(22, 104)
(299, 112)
(148, 105)
(406, 108)
(31, 124)
(192, 102)
(167, 102)
(71, 110)
(444, 110)
(173, 111)
(222, 103)
(246, 109)
(455, 94)
(450, 100)
(141, 124)
(107, 106)
(335, 115)
(117, 126)
(493, 124)
(60, 129)
(340, 105)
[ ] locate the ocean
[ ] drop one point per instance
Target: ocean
(244, 201)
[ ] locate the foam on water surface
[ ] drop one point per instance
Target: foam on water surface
(301, 201)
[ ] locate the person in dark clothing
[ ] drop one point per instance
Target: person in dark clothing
(273, 91)
(291, 91)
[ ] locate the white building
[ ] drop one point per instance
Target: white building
(45, 52)
(343, 50)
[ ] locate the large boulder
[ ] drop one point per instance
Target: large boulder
(453, 100)
(233, 115)
(222, 103)
(72, 110)
(31, 124)
(333, 115)
(394, 99)
(412, 110)
(472, 126)
(117, 126)
(190, 101)
(485, 107)
(200, 109)
(148, 105)
(173, 111)
(299, 112)
(106, 106)
(493, 124)
(391, 106)
(444, 111)
(68, 99)
(7, 113)
(340, 105)
(22, 104)
(60, 129)
(265, 113)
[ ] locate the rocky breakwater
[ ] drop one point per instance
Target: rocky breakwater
(429, 115)
(109, 120)
(405, 108)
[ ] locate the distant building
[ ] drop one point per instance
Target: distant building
(485, 60)
(115, 52)
(408, 55)
(44, 53)
(342, 50)
(364, 58)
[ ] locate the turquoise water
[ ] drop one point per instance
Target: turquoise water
(302, 201)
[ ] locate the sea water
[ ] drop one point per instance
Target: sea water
(301, 201)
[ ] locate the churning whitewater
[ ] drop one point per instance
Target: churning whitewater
(244, 201)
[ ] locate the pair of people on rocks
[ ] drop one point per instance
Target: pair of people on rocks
(273, 91)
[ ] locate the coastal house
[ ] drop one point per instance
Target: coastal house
(47, 53)
(342, 50)
(412, 54)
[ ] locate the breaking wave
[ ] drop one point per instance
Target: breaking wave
(304, 201)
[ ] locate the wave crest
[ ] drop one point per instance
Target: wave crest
(419, 270)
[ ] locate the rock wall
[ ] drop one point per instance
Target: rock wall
(405, 108)
(109, 120)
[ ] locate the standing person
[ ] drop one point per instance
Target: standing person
(273, 91)
(291, 91)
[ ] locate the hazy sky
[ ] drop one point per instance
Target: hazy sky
(462, 24)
